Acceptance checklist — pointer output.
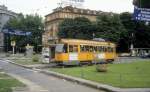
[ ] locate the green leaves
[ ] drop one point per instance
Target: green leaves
(142, 3)
(109, 27)
(79, 27)
(29, 23)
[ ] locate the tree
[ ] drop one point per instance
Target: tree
(118, 28)
(126, 36)
(80, 28)
(109, 27)
(28, 23)
(136, 32)
(142, 35)
(142, 3)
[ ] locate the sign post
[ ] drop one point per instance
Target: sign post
(13, 44)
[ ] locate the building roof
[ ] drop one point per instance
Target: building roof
(76, 10)
(4, 10)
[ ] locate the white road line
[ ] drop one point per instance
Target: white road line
(44, 91)
(4, 61)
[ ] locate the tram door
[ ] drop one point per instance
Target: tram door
(52, 53)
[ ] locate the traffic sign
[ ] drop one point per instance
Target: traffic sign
(16, 32)
(13, 43)
(141, 14)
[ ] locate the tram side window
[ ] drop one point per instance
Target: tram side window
(95, 48)
(73, 48)
(110, 49)
(87, 48)
(100, 49)
(91, 49)
(70, 48)
(82, 48)
(105, 49)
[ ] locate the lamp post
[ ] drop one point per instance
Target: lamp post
(13, 44)
(37, 38)
(132, 45)
(93, 35)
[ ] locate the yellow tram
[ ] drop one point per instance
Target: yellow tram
(75, 51)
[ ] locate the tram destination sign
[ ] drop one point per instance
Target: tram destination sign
(141, 14)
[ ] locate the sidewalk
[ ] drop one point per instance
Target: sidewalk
(87, 82)
(31, 87)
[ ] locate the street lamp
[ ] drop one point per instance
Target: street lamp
(37, 39)
(93, 35)
(132, 44)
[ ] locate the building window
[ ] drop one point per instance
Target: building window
(66, 16)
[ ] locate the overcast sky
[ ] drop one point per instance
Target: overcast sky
(43, 7)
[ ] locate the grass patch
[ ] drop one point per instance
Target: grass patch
(25, 60)
(35, 59)
(7, 82)
(128, 75)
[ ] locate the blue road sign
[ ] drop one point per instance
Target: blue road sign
(141, 14)
(16, 32)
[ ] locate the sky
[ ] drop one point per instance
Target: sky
(44, 7)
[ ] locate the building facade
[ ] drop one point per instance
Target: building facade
(5, 15)
(53, 20)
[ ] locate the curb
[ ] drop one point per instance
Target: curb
(19, 64)
(85, 82)
(82, 81)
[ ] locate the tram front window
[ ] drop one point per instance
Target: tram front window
(59, 48)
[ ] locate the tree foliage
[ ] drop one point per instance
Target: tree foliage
(126, 37)
(109, 27)
(136, 32)
(118, 28)
(28, 23)
(142, 3)
(142, 35)
(79, 27)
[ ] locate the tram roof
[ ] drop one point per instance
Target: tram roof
(85, 42)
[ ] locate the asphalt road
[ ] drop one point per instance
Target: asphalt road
(49, 83)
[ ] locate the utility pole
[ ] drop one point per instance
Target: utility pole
(93, 35)
(132, 46)
(13, 44)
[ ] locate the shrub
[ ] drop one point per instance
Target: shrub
(7, 54)
(35, 58)
(101, 67)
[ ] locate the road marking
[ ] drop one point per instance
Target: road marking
(35, 71)
(64, 80)
(33, 87)
(4, 61)
(44, 91)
